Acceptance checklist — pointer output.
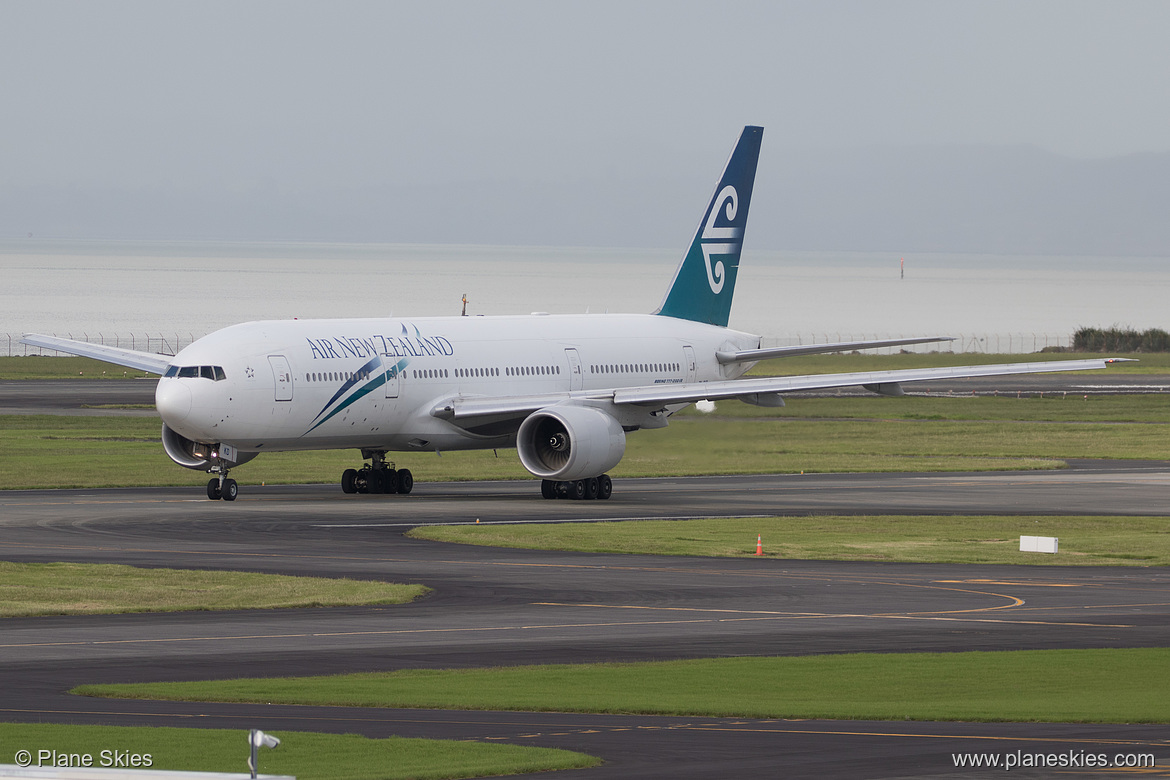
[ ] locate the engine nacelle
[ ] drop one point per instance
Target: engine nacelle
(570, 442)
(193, 454)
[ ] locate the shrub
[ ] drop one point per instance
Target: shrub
(1120, 340)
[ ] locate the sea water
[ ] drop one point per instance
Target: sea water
(98, 289)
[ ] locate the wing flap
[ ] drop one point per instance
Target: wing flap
(767, 353)
(464, 407)
(142, 361)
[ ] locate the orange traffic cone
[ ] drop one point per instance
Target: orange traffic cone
(759, 544)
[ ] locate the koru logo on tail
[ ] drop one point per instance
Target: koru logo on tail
(720, 240)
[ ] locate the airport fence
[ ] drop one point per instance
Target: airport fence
(992, 343)
(158, 343)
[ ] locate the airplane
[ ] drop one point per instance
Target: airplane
(563, 390)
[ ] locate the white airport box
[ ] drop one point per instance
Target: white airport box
(1043, 544)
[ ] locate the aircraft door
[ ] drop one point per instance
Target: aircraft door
(282, 374)
(393, 375)
(689, 363)
(576, 376)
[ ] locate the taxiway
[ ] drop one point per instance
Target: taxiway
(493, 606)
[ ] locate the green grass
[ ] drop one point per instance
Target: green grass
(80, 589)
(810, 435)
(37, 367)
(778, 445)
(127, 452)
(1112, 541)
(307, 755)
(1105, 686)
(1051, 408)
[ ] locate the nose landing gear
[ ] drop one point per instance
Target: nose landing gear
(220, 486)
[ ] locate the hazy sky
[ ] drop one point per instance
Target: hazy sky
(363, 109)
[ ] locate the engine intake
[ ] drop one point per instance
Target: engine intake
(192, 454)
(570, 442)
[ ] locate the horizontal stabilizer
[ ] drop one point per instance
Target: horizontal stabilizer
(750, 355)
(142, 361)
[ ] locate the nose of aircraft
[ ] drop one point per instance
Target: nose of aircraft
(173, 400)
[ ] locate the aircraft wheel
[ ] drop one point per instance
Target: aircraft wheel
(548, 488)
(604, 487)
(213, 489)
(592, 488)
(577, 489)
(375, 482)
(405, 481)
(390, 481)
(230, 490)
(348, 478)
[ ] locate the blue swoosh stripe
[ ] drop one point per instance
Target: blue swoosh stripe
(370, 366)
(373, 384)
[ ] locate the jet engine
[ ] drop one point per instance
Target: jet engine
(570, 442)
(193, 454)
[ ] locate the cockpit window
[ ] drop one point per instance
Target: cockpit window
(214, 373)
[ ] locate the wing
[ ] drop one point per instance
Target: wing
(765, 391)
(143, 361)
(885, 382)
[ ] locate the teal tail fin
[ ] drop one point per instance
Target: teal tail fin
(705, 279)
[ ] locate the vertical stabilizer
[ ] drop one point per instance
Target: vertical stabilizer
(705, 279)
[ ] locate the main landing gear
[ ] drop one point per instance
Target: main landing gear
(578, 489)
(376, 476)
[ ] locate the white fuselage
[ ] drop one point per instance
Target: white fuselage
(373, 383)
